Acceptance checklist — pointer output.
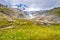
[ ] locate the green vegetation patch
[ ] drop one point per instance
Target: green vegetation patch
(27, 30)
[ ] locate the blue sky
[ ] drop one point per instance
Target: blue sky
(38, 4)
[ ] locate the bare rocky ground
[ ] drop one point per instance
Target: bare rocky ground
(47, 19)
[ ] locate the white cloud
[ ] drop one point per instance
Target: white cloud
(32, 9)
(42, 4)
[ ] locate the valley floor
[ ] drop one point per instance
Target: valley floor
(26, 30)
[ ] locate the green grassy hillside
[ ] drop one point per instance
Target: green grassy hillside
(6, 11)
(26, 30)
(21, 29)
(55, 11)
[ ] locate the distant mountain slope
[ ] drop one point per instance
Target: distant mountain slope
(17, 13)
(52, 15)
(55, 11)
(10, 12)
(20, 6)
(6, 11)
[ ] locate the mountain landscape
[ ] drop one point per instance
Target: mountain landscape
(18, 24)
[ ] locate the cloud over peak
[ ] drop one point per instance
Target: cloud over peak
(39, 4)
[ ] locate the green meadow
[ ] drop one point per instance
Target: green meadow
(26, 30)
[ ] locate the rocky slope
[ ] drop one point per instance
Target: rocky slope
(48, 16)
(10, 12)
(45, 16)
